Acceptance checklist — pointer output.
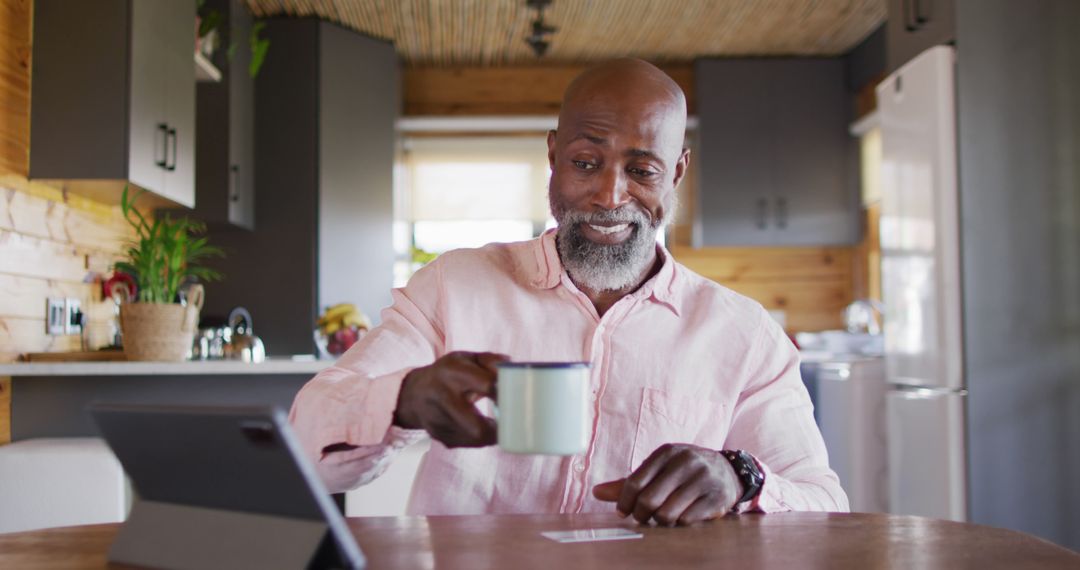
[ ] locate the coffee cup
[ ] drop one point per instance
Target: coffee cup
(543, 407)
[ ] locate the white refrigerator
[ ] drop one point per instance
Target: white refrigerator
(921, 288)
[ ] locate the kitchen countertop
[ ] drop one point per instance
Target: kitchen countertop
(272, 365)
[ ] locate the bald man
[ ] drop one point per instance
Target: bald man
(698, 409)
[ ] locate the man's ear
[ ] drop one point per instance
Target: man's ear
(551, 149)
(680, 167)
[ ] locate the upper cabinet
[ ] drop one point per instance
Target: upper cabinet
(225, 151)
(113, 97)
(776, 161)
(913, 26)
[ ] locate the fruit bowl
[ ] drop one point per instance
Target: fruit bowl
(338, 329)
(336, 343)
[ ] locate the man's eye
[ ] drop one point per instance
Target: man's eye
(642, 173)
(584, 165)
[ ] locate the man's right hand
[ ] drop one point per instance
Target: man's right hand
(441, 398)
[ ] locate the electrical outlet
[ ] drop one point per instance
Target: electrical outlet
(55, 316)
(72, 316)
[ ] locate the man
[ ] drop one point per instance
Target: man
(697, 407)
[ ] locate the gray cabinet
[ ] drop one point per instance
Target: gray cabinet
(225, 152)
(913, 26)
(326, 104)
(776, 161)
(113, 97)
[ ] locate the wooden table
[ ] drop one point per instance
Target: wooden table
(788, 540)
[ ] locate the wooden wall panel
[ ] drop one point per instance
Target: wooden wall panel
(811, 285)
(486, 91)
(15, 50)
(5, 410)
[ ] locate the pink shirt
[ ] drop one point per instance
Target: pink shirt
(680, 360)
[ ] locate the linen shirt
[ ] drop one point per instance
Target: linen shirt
(680, 360)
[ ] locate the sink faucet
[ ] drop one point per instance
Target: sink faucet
(863, 316)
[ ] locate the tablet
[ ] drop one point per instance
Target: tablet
(221, 487)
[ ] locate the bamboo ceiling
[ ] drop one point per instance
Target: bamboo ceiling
(492, 32)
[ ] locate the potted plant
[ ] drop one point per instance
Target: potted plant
(164, 256)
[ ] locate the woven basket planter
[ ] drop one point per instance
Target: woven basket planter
(160, 331)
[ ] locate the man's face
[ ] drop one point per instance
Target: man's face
(615, 163)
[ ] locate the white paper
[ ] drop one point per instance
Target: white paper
(591, 535)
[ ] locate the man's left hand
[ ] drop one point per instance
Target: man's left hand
(679, 484)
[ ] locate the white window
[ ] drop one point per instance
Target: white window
(467, 192)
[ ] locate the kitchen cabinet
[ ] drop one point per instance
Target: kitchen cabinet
(327, 100)
(113, 98)
(776, 161)
(225, 113)
(913, 26)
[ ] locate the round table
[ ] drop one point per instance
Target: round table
(784, 540)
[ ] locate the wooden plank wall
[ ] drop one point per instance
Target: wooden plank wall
(811, 285)
(52, 244)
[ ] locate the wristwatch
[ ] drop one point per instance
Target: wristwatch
(749, 473)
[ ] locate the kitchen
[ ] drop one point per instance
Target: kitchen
(272, 160)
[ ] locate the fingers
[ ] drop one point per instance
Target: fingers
(609, 491)
(706, 508)
(462, 426)
(674, 508)
(473, 374)
(639, 479)
(677, 484)
(670, 479)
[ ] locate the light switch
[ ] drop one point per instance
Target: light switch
(54, 316)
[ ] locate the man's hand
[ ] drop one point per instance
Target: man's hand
(440, 399)
(678, 484)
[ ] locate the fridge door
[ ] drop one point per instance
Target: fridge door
(920, 246)
(927, 468)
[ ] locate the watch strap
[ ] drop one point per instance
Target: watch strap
(748, 472)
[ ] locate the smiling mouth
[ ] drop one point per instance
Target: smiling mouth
(609, 229)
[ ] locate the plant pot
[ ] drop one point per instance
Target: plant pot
(160, 331)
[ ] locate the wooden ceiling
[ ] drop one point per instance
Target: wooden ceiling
(492, 32)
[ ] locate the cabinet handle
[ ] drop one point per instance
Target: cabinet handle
(163, 129)
(172, 135)
(762, 213)
(234, 172)
(908, 10)
(781, 213)
(920, 16)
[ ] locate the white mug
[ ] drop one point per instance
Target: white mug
(543, 407)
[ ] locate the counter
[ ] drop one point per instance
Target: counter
(49, 399)
(274, 365)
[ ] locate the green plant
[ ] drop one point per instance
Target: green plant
(212, 19)
(164, 253)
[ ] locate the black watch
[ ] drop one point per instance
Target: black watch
(749, 474)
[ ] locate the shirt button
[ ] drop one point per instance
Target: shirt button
(579, 467)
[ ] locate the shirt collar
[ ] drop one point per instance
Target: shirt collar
(662, 287)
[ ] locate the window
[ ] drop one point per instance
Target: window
(467, 192)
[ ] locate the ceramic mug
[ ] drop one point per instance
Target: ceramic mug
(543, 407)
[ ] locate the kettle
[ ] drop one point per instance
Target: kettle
(243, 344)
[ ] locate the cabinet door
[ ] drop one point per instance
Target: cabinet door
(736, 129)
(914, 26)
(180, 102)
(148, 119)
(241, 122)
(815, 196)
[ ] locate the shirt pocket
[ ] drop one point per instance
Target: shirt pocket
(677, 418)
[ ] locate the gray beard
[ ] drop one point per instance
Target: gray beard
(600, 267)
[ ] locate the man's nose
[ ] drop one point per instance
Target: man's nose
(611, 191)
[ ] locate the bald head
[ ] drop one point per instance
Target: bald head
(624, 90)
